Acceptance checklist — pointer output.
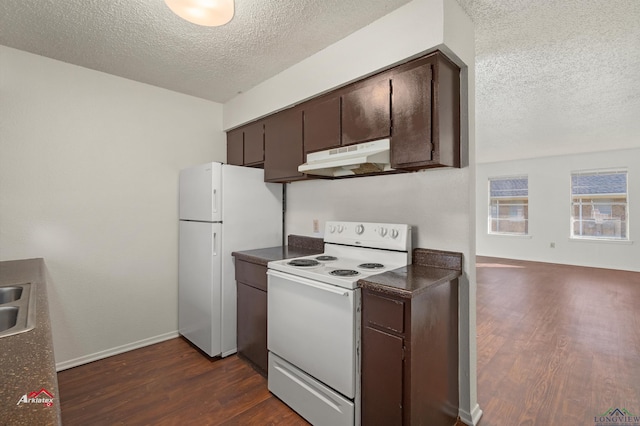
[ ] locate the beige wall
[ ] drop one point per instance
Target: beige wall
(88, 181)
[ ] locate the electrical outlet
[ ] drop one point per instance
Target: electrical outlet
(316, 226)
(552, 245)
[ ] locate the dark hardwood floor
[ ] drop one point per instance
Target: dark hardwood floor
(169, 383)
(557, 345)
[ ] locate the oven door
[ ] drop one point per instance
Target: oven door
(313, 326)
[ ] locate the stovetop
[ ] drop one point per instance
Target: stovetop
(353, 251)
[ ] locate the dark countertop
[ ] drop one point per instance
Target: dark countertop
(27, 363)
(430, 268)
(298, 246)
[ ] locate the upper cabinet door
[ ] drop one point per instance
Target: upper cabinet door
(415, 104)
(283, 146)
(426, 114)
(322, 125)
(366, 112)
(235, 147)
(254, 143)
(412, 116)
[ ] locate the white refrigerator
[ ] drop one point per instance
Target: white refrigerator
(223, 208)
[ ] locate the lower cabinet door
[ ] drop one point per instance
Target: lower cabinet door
(382, 368)
(252, 325)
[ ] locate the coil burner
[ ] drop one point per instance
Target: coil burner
(371, 266)
(344, 272)
(325, 258)
(305, 263)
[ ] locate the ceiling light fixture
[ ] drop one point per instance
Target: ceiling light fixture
(208, 13)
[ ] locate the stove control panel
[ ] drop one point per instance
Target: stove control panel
(335, 228)
(390, 236)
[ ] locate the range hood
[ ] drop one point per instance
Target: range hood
(368, 157)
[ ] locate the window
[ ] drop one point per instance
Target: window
(599, 205)
(509, 205)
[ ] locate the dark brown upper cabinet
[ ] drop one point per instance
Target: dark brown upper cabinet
(322, 124)
(254, 144)
(366, 111)
(235, 147)
(283, 146)
(415, 104)
(426, 114)
(245, 145)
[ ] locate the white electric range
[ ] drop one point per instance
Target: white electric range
(314, 318)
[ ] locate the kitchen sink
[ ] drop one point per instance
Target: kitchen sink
(10, 294)
(17, 308)
(8, 317)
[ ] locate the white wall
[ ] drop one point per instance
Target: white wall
(88, 181)
(438, 203)
(435, 202)
(550, 208)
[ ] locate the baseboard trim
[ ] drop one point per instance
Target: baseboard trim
(64, 365)
(472, 418)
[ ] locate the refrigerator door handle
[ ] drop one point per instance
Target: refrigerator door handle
(215, 240)
(214, 201)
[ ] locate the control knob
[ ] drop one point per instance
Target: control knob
(394, 233)
(332, 229)
(340, 229)
(359, 229)
(382, 231)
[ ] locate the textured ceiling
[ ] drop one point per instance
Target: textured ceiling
(143, 40)
(552, 76)
(555, 76)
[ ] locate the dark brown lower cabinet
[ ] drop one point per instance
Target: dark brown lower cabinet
(385, 359)
(251, 282)
(410, 357)
(252, 325)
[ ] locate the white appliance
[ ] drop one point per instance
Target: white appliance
(223, 208)
(313, 326)
(367, 157)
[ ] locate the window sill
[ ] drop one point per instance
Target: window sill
(598, 241)
(493, 234)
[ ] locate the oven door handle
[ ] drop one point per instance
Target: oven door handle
(304, 281)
